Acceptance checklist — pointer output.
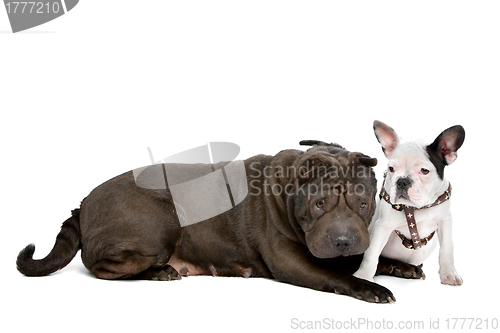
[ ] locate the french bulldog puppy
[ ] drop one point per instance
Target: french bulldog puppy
(414, 208)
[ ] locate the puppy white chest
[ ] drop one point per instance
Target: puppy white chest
(427, 223)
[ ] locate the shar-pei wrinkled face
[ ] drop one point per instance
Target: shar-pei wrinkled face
(333, 200)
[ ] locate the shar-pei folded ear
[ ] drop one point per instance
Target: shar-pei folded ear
(359, 158)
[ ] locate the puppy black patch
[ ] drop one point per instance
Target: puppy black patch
(437, 160)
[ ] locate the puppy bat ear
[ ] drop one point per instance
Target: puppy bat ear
(447, 143)
(386, 136)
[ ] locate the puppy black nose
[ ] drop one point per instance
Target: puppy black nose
(342, 242)
(403, 183)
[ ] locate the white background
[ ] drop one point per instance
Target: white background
(83, 96)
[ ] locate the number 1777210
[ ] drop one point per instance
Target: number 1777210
(32, 7)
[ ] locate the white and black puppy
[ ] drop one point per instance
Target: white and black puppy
(414, 205)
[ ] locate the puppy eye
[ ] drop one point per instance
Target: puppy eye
(391, 169)
(320, 203)
(424, 171)
(363, 205)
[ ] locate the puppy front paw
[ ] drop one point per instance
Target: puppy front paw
(362, 274)
(450, 277)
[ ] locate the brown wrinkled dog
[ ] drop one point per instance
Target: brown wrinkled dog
(304, 222)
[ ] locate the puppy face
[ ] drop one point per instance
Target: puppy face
(412, 179)
(415, 171)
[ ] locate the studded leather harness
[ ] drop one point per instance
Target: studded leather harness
(415, 243)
